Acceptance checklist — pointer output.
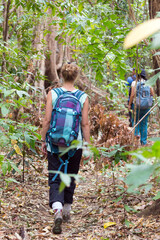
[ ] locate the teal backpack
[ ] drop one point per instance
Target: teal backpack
(65, 120)
(144, 100)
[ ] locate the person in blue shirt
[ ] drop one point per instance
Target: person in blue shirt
(130, 79)
(141, 129)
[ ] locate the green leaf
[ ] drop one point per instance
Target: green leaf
(21, 93)
(156, 41)
(139, 156)
(27, 137)
(94, 150)
(4, 110)
(11, 180)
(32, 143)
(62, 186)
(154, 139)
(4, 168)
(66, 179)
(118, 199)
(156, 54)
(127, 223)
(128, 208)
(8, 92)
(9, 167)
(139, 175)
(157, 196)
(75, 176)
(152, 81)
(15, 167)
(1, 159)
(80, 7)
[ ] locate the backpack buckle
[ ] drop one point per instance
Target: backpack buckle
(72, 133)
(58, 109)
(74, 113)
(53, 130)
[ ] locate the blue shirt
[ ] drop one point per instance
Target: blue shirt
(130, 80)
(129, 83)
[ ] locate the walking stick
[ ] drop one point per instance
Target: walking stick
(143, 117)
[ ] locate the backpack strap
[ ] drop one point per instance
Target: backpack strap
(78, 94)
(139, 84)
(64, 163)
(58, 91)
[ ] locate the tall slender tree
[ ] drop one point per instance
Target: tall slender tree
(154, 8)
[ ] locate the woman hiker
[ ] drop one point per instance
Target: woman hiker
(61, 202)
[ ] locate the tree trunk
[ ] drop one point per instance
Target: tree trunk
(154, 7)
(6, 5)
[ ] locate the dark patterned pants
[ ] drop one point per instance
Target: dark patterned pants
(66, 196)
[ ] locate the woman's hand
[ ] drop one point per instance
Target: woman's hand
(44, 148)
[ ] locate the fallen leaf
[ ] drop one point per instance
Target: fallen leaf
(17, 149)
(108, 224)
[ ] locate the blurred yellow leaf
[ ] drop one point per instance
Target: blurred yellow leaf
(141, 32)
(13, 141)
(17, 149)
(108, 224)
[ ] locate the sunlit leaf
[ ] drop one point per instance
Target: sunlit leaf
(13, 141)
(62, 186)
(80, 8)
(108, 224)
(17, 149)
(141, 32)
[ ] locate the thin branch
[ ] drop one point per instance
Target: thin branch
(116, 3)
(13, 30)
(90, 3)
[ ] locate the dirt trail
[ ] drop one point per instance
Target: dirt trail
(25, 207)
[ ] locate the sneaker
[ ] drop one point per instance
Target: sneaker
(66, 217)
(57, 222)
(66, 212)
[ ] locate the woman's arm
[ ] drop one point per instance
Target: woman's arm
(85, 121)
(131, 97)
(46, 121)
(151, 91)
